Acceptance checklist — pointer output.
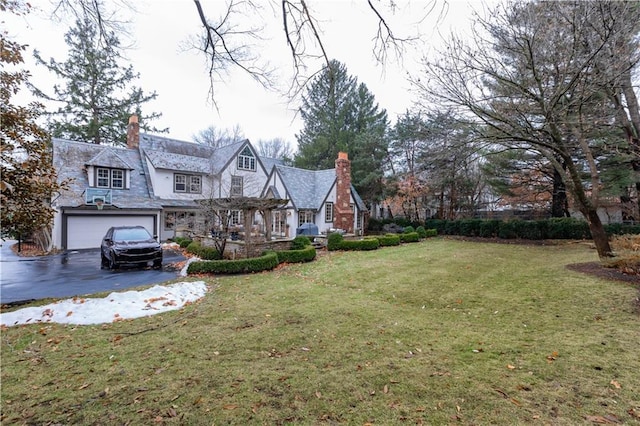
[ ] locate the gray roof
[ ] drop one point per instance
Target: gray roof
(307, 189)
(178, 162)
(172, 154)
(70, 159)
(109, 158)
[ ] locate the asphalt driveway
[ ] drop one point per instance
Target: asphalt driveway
(73, 273)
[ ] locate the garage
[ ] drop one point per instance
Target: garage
(82, 231)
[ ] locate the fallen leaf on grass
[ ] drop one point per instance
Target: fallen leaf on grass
(616, 384)
(609, 419)
(511, 367)
(230, 406)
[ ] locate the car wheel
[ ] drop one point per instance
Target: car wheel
(104, 262)
(112, 262)
(157, 264)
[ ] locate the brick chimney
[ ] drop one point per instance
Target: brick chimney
(343, 215)
(133, 133)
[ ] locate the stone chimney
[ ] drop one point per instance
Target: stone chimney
(343, 215)
(133, 133)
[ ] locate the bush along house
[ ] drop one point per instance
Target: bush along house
(160, 183)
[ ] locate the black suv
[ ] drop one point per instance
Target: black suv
(129, 245)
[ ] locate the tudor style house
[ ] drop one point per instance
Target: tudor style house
(157, 182)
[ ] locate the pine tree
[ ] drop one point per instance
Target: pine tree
(97, 96)
(341, 115)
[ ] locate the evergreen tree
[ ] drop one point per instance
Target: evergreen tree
(97, 96)
(341, 115)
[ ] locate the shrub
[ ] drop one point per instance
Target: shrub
(266, 262)
(437, 224)
(531, 230)
(388, 240)
(374, 225)
(411, 237)
(489, 228)
(421, 232)
(306, 254)
(182, 242)
(430, 233)
(508, 229)
(469, 227)
(300, 242)
(408, 229)
(334, 240)
(205, 253)
(364, 244)
(567, 228)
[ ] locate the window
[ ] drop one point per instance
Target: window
(117, 178)
(109, 178)
(195, 184)
(180, 183)
(246, 160)
(179, 220)
(306, 216)
(187, 183)
(235, 217)
(328, 212)
(236, 186)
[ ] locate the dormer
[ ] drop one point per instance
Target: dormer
(108, 170)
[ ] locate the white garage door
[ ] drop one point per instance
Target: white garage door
(87, 231)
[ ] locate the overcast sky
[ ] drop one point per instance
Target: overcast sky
(160, 29)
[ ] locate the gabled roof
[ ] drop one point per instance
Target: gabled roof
(109, 158)
(307, 189)
(70, 159)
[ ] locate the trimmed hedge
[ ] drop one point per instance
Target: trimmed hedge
(409, 237)
(428, 233)
(266, 262)
(300, 242)
(205, 253)
(336, 241)
(554, 228)
(388, 240)
(306, 254)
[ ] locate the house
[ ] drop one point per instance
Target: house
(157, 182)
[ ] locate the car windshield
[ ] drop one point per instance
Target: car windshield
(131, 234)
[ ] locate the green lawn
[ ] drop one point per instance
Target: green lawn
(436, 332)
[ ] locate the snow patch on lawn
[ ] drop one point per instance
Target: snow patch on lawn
(116, 306)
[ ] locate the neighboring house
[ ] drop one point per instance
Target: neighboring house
(156, 181)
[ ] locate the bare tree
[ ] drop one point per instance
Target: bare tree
(275, 148)
(529, 80)
(217, 137)
(228, 35)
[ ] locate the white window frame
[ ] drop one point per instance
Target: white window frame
(195, 184)
(119, 178)
(106, 178)
(191, 184)
(246, 160)
(306, 216)
(328, 212)
(179, 179)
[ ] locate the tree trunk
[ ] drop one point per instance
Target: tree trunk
(559, 197)
(598, 234)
